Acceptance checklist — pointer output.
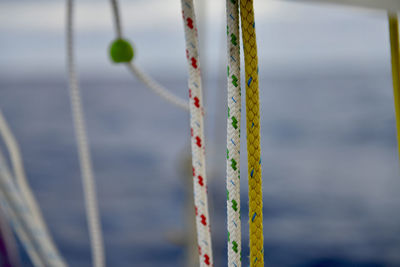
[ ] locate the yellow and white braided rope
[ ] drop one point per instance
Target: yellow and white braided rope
(253, 133)
(233, 135)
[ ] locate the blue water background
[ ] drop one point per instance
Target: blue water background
(331, 180)
(330, 171)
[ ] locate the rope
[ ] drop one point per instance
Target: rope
(156, 87)
(88, 180)
(253, 133)
(51, 252)
(395, 53)
(23, 220)
(8, 247)
(197, 135)
(117, 18)
(22, 233)
(146, 79)
(233, 135)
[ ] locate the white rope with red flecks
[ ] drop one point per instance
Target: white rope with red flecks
(197, 135)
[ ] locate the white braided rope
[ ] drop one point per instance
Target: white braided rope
(197, 133)
(146, 79)
(45, 241)
(157, 88)
(233, 135)
(11, 214)
(89, 185)
(23, 221)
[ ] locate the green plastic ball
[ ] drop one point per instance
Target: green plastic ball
(121, 51)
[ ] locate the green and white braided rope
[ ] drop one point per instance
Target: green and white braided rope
(233, 134)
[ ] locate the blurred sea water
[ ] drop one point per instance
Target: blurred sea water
(330, 168)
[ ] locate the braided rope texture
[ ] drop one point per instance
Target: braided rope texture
(233, 135)
(197, 135)
(85, 161)
(253, 133)
(395, 58)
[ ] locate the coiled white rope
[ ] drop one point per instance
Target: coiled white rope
(233, 135)
(146, 79)
(197, 135)
(25, 198)
(88, 180)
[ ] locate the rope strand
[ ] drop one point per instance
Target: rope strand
(117, 20)
(51, 255)
(157, 88)
(253, 133)
(395, 55)
(233, 135)
(24, 235)
(197, 135)
(146, 79)
(88, 180)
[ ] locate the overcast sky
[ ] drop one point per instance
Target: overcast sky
(289, 35)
